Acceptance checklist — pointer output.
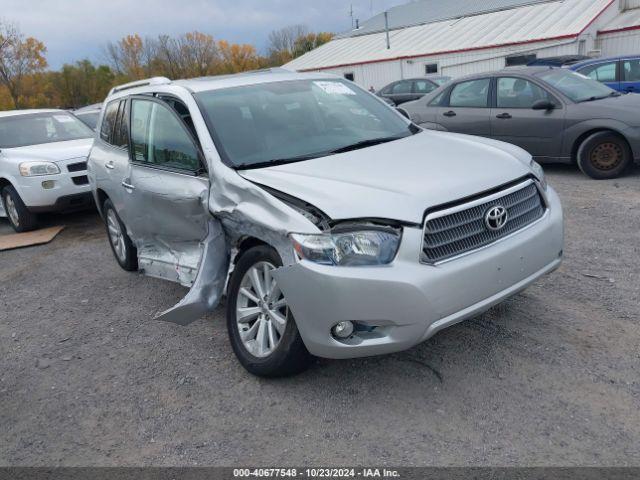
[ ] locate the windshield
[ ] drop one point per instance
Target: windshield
(575, 86)
(38, 128)
(441, 80)
(90, 119)
(281, 122)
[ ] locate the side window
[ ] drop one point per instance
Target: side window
(401, 87)
(109, 120)
(473, 94)
(603, 72)
(422, 86)
(438, 100)
(519, 93)
(121, 130)
(631, 70)
(160, 139)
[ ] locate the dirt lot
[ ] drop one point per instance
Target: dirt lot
(551, 377)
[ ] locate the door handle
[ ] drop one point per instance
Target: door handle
(504, 116)
(128, 186)
(450, 113)
(110, 165)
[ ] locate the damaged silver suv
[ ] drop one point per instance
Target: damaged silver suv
(333, 225)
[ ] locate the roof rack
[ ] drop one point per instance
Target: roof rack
(141, 83)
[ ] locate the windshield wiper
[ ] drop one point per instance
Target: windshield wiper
(347, 148)
(279, 161)
(592, 99)
(367, 143)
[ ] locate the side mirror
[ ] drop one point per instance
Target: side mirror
(543, 105)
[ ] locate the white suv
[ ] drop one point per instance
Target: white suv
(335, 226)
(43, 163)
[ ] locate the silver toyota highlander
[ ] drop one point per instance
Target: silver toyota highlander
(333, 225)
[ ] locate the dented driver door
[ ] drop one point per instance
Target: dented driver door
(167, 198)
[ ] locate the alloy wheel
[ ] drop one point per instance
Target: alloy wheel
(115, 236)
(261, 310)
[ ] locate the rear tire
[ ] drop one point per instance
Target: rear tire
(121, 245)
(21, 219)
(266, 346)
(604, 155)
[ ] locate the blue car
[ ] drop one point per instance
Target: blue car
(620, 73)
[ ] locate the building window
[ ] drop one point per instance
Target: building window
(350, 76)
(431, 68)
(514, 60)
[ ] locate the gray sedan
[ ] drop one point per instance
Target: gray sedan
(554, 114)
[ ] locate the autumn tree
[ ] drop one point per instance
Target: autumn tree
(238, 58)
(131, 56)
(310, 41)
(20, 57)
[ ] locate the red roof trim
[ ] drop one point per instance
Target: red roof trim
(486, 47)
(622, 29)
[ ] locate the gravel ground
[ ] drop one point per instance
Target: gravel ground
(550, 377)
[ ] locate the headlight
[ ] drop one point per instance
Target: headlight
(539, 173)
(34, 169)
(349, 248)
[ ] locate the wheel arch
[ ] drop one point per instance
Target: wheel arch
(585, 135)
(101, 197)
(5, 183)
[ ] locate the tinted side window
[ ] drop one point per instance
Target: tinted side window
(631, 69)
(422, 86)
(401, 87)
(159, 138)
(604, 72)
(121, 131)
(109, 121)
(474, 93)
(519, 93)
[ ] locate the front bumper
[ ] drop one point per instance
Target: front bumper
(407, 301)
(71, 189)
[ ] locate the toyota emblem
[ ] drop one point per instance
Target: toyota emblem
(496, 218)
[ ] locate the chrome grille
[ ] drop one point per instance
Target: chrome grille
(448, 235)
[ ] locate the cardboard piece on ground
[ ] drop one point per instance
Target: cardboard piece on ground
(37, 237)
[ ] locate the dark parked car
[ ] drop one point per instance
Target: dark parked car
(89, 115)
(559, 61)
(553, 113)
(620, 73)
(402, 91)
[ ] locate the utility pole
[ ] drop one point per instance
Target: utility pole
(386, 28)
(351, 15)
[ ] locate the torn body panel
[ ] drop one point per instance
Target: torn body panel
(207, 289)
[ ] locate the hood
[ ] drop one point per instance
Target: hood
(50, 152)
(624, 108)
(398, 180)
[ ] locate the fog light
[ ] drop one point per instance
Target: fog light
(342, 330)
(48, 184)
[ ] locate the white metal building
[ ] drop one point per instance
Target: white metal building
(459, 37)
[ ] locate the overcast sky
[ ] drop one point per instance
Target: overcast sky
(76, 29)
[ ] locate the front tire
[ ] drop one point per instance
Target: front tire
(604, 155)
(262, 330)
(121, 245)
(21, 219)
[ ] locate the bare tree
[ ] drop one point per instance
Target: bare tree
(282, 43)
